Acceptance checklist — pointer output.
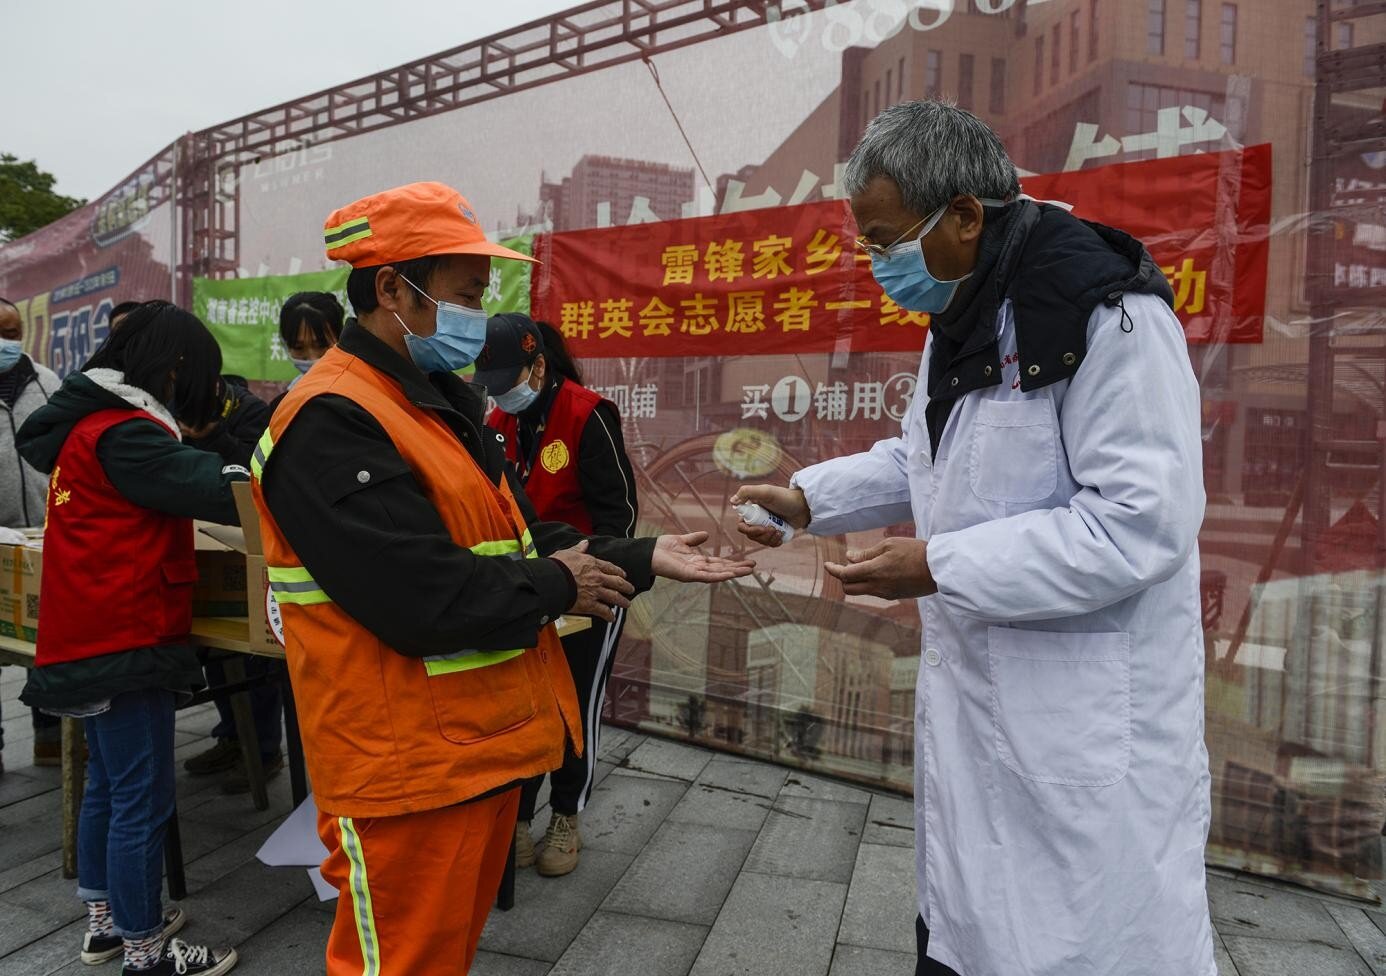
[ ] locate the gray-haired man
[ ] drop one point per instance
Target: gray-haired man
(1052, 468)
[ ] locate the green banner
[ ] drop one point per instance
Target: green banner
(243, 313)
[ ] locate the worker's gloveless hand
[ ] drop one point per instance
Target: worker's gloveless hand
(788, 503)
(676, 557)
(602, 586)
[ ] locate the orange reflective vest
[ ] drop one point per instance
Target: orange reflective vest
(386, 734)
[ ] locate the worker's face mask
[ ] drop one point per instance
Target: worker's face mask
(458, 338)
(520, 398)
(10, 351)
(302, 365)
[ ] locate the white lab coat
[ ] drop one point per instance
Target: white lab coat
(1061, 781)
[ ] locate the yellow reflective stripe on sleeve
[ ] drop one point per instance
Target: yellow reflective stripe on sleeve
(506, 547)
(294, 584)
(262, 453)
(361, 898)
(529, 551)
(466, 661)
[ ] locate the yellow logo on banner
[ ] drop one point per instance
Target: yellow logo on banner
(555, 457)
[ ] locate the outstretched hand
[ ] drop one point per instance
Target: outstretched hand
(893, 569)
(676, 557)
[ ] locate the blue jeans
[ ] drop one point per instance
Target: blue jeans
(126, 809)
(266, 703)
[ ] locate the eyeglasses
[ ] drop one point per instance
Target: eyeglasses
(883, 250)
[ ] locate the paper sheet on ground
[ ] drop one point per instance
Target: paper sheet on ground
(296, 843)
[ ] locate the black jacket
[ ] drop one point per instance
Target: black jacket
(244, 417)
(380, 550)
(1055, 269)
(603, 468)
(150, 469)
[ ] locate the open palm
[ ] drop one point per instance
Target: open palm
(676, 557)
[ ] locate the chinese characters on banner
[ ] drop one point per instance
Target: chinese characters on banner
(790, 279)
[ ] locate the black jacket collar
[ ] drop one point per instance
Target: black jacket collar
(435, 391)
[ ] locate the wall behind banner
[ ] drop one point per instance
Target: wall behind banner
(783, 666)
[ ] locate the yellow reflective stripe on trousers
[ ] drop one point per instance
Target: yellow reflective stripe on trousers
(466, 661)
(261, 455)
(294, 584)
(361, 898)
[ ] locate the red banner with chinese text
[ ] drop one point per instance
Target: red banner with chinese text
(790, 279)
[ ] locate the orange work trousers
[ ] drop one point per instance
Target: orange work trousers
(415, 889)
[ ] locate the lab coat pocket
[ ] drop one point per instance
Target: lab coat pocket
(1014, 451)
(1061, 704)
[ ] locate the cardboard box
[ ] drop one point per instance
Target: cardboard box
(266, 628)
(21, 568)
(220, 589)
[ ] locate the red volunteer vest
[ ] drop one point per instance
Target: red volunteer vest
(552, 479)
(116, 576)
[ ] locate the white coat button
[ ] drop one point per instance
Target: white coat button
(933, 658)
(363, 476)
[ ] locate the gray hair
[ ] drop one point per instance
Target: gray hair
(934, 151)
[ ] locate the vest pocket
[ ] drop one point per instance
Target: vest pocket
(175, 607)
(1061, 704)
(479, 702)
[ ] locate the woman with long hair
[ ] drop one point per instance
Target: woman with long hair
(114, 621)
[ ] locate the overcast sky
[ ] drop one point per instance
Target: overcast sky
(93, 88)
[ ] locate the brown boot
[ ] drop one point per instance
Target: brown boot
(561, 845)
(524, 845)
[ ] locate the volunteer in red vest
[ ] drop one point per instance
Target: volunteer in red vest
(565, 443)
(418, 592)
(114, 621)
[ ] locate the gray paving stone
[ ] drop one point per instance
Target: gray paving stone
(496, 964)
(880, 909)
(616, 744)
(890, 820)
(248, 899)
(1365, 937)
(21, 784)
(625, 811)
(612, 943)
(859, 961)
(549, 912)
(1226, 967)
(773, 926)
(48, 953)
(51, 895)
(814, 839)
(714, 806)
(660, 757)
(816, 788)
(754, 778)
(22, 926)
(294, 944)
(1273, 957)
(205, 871)
(23, 871)
(683, 874)
(1260, 912)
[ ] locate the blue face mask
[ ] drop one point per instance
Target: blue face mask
(458, 338)
(10, 351)
(517, 400)
(302, 365)
(903, 274)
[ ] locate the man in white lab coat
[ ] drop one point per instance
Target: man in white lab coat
(1051, 463)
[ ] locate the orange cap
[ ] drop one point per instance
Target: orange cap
(411, 221)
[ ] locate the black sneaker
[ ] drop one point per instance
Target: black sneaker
(97, 949)
(182, 959)
(220, 757)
